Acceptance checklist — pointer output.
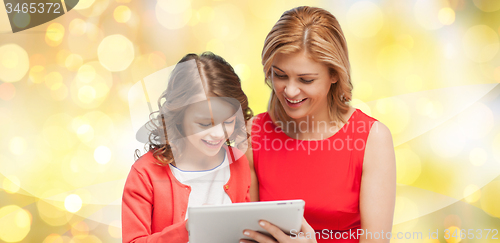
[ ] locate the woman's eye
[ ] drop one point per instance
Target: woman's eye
(229, 122)
(306, 80)
(204, 124)
(279, 76)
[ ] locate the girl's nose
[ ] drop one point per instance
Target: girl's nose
(217, 132)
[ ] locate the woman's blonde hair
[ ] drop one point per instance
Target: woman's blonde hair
(317, 32)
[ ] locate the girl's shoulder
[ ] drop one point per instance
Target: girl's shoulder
(147, 162)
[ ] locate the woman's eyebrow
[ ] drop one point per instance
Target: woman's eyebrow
(303, 74)
(278, 69)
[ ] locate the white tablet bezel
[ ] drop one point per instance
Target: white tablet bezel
(225, 223)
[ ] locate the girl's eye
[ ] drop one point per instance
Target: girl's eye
(306, 81)
(230, 122)
(204, 124)
(279, 76)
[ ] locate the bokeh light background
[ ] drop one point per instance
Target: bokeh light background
(428, 69)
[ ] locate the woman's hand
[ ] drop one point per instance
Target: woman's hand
(306, 234)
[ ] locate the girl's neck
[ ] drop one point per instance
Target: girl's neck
(192, 160)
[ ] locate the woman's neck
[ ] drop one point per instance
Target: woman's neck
(313, 127)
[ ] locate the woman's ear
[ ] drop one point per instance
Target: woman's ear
(334, 76)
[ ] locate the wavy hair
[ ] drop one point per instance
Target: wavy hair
(218, 79)
(317, 32)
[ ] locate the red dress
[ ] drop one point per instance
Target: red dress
(326, 173)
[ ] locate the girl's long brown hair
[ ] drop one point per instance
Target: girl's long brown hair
(218, 79)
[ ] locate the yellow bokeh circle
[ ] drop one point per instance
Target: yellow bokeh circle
(73, 203)
(91, 85)
(14, 63)
(472, 193)
(427, 13)
(480, 43)
(77, 27)
(122, 14)
(115, 53)
(53, 238)
(102, 155)
(11, 184)
(406, 211)
(446, 16)
(73, 62)
(53, 80)
(114, 229)
(37, 74)
(84, 4)
(173, 14)
(86, 73)
(15, 222)
(17, 145)
(243, 71)
(490, 196)
(55, 34)
(85, 132)
(80, 229)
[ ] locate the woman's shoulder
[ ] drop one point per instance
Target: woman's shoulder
(360, 115)
(376, 129)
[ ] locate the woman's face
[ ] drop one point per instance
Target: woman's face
(301, 84)
(198, 128)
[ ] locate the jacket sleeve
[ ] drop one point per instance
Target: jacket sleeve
(137, 211)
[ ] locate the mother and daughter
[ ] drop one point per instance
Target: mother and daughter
(207, 148)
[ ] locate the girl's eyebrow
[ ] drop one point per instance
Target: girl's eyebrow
(303, 74)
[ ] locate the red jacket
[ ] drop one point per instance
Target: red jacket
(154, 202)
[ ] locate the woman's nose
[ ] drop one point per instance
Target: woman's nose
(291, 90)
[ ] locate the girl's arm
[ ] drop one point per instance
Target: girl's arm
(378, 184)
(137, 209)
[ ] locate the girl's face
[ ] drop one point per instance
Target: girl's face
(202, 135)
(301, 84)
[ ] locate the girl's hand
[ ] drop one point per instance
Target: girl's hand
(306, 234)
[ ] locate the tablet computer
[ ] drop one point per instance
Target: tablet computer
(225, 223)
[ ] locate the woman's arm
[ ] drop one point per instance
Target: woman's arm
(137, 209)
(378, 184)
(254, 186)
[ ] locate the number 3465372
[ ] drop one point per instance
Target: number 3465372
(33, 8)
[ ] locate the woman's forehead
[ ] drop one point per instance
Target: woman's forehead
(298, 62)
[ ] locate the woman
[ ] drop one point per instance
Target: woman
(312, 145)
(189, 162)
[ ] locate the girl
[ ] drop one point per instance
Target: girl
(190, 161)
